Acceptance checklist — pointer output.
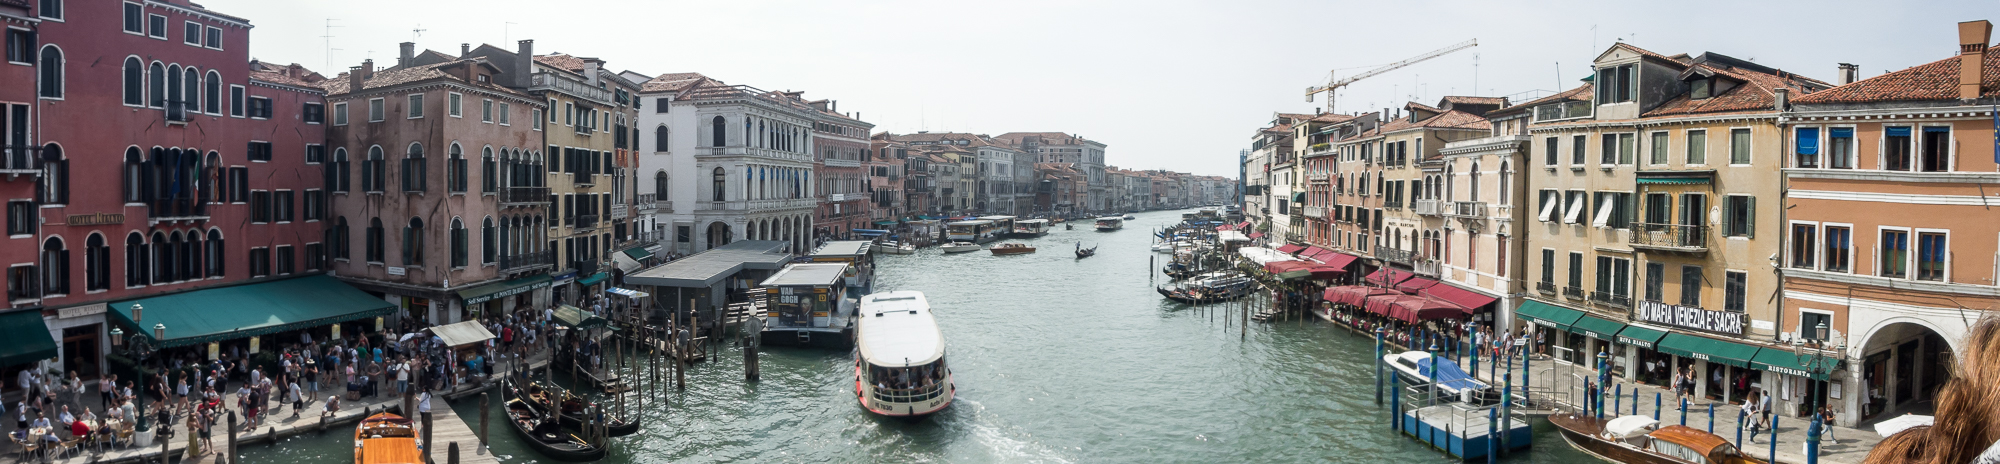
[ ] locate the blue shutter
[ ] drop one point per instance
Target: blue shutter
(1840, 133)
(1809, 141)
(1898, 131)
(1937, 130)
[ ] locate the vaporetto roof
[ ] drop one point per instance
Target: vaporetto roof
(897, 329)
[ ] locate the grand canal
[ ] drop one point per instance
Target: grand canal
(1057, 360)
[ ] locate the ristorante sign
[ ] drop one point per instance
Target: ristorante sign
(1690, 318)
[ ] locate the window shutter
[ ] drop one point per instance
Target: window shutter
(1750, 217)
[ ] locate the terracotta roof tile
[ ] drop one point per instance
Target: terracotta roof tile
(395, 77)
(561, 61)
(675, 82)
(1580, 93)
(1502, 101)
(1453, 119)
(1937, 80)
(1753, 95)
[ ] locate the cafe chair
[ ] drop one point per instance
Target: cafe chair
(28, 448)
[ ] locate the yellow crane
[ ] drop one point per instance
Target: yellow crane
(1334, 84)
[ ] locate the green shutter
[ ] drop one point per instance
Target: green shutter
(1750, 217)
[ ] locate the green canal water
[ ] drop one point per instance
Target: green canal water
(1056, 360)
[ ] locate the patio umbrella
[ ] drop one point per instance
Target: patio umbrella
(1901, 423)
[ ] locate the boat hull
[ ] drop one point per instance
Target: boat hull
(961, 248)
(1011, 251)
(618, 429)
(842, 339)
(522, 415)
(911, 411)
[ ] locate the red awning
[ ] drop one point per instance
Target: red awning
(1313, 252)
(1468, 299)
(1354, 295)
(1415, 284)
(1380, 304)
(1256, 235)
(1325, 272)
(1279, 267)
(1416, 308)
(1339, 260)
(1383, 276)
(1289, 249)
(1225, 227)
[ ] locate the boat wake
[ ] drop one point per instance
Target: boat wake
(1005, 446)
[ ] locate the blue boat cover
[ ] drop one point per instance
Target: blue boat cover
(1449, 375)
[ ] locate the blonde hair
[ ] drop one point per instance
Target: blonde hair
(1968, 409)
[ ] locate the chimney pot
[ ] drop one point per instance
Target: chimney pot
(408, 50)
(1849, 73)
(464, 49)
(1781, 98)
(524, 63)
(1972, 39)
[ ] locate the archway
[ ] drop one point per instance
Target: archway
(1903, 362)
(718, 234)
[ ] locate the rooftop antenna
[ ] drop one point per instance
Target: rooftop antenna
(1475, 73)
(328, 55)
(507, 33)
(417, 32)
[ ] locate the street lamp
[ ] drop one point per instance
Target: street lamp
(139, 349)
(1817, 360)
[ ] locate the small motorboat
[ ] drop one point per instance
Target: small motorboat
(896, 248)
(1011, 249)
(1082, 252)
(543, 432)
(961, 247)
(387, 439)
(1415, 369)
(1641, 440)
(1129, 217)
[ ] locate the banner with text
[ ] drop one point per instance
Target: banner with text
(1690, 318)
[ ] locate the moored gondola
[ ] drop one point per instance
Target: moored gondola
(1209, 288)
(545, 434)
(572, 407)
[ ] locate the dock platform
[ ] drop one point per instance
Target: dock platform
(1461, 430)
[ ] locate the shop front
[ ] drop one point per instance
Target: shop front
(502, 297)
(1649, 366)
(26, 342)
(239, 321)
(1804, 376)
(1551, 331)
(1723, 367)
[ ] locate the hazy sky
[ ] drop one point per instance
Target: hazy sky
(1169, 84)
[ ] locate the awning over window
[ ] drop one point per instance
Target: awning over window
(572, 317)
(593, 279)
(1575, 210)
(1471, 300)
(1715, 351)
(638, 253)
(1548, 315)
(1353, 295)
(1897, 131)
(1673, 181)
(483, 293)
(1299, 197)
(1792, 363)
(239, 311)
(1389, 277)
(1289, 249)
(24, 338)
(1415, 284)
(1840, 133)
(1549, 210)
(1597, 327)
(1808, 140)
(1640, 336)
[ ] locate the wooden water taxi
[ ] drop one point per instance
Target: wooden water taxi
(1640, 440)
(387, 439)
(1011, 249)
(899, 366)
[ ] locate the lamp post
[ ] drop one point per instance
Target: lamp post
(139, 349)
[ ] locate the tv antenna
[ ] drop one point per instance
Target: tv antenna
(328, 54)
(417, 32)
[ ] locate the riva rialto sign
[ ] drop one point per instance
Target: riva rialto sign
(1692, 318)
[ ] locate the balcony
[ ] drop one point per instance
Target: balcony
(1467, 209)
(19, 160)
(707, 206)
(524, 196)
(177, 113)
(1316, 212)
(1574, 293)
(1429, 267)
(792, 203)
(1503, 213)
(549, 81)
(526, 261)
(1611, 299)
(1546, 288)
(1670, 237)
(585, 221)
(1429, 207)
(581, 180)
(1394, 255)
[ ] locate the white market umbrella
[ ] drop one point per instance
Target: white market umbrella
(1901, 423)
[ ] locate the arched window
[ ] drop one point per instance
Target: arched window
(337, 173)
(459, 243)
(489, 171)
(719, 129)
(1475, 182)
(211, 98)
(55, 267)
(156, 85)
(413, 243)
(414, 168)
(1506, 175)
(660, 186)
(135, 260)
(163, 258)
(1450, 178)
(134, 185)
(174, 96)
(340, 238)
(374, 237)
(716, 192)
(135, 82)
(660, 139)
(217, 253)
(489, 246)
(372, 178)
(54, 184)
(455, 169)
(52, 72)
(191, 86)
(96, 263)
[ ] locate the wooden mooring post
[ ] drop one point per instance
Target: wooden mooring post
(484, 406)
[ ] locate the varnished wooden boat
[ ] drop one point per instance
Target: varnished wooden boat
(1011, 249)
(387, 439)
(571, 411)
(1635, 440)
(547, 435)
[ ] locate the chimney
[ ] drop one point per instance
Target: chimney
(1781, 98)
(1972, 39)
(524, 63)
(409, 50)
(1849, 73)
(590, 69)
(355, 78)
(464, 49)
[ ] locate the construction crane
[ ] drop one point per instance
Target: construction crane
(1332, 84)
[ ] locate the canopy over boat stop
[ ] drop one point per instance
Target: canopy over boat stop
(711, 279)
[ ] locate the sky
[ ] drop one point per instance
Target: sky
(1166, 84)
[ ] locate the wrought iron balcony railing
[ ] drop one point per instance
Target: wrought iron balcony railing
(1670, 237)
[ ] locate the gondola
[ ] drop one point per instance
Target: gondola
(572, 411)
(1177, 270)
(1210, 288)
(546, 436)
(1082, 252)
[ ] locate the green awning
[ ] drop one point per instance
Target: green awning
(1709, 349)
(593, 279)
(483, 293)
(638, 253)
(1640, 336)
(1674, 180)
(1548, 315)
(1298, 197)
(1597, 327)
(571, 316)
(885, 223)
(26, 338)
(240, 311)
(1790, 363)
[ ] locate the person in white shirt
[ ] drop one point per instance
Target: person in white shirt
(66, 417)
